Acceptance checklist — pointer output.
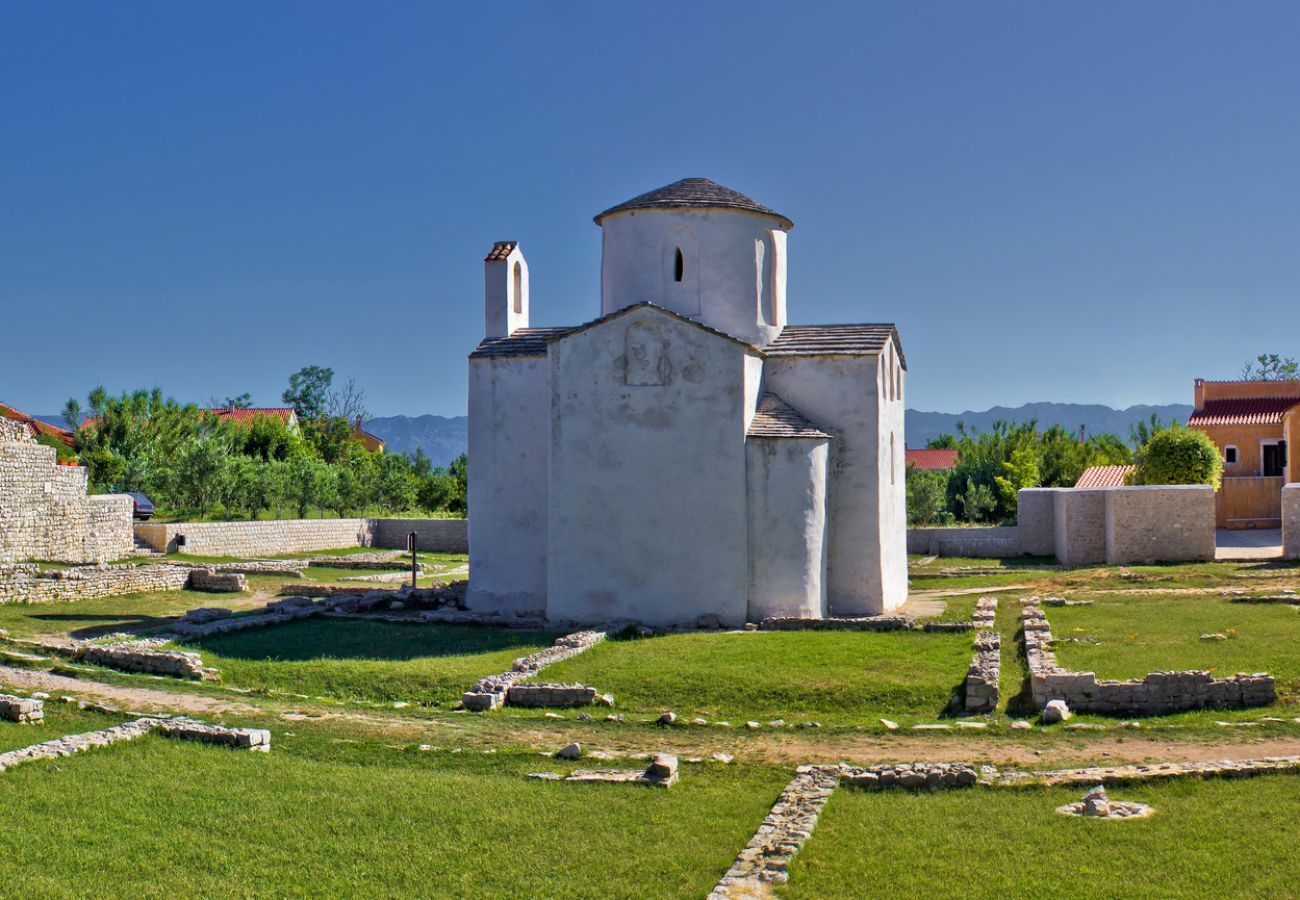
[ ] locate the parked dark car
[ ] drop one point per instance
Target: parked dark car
(142, 507)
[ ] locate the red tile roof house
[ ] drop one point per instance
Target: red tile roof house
(1252, 423)
(1104, 476)
(37, 427)
(942, 460)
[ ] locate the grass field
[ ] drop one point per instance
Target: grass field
(1206, 838)
(1126, 636)
(366, 660)
(835, 676)
(316, 817)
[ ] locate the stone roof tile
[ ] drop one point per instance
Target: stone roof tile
(777, 419)
(694, 193)
(835, 340)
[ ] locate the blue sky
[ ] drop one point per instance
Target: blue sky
(1087, 203)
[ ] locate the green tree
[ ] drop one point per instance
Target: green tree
(942, 442)
(976, 502)
(1021, 472)
(926, 496)
(243, 401)
(1271, 367)
(1141, 431)
(309, 392)
(1179, 455)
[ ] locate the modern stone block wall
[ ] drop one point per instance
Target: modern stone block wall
(989, 542)
(1167, 523)
(434, 535)
(1096, 526)
(269, 538)
(1291, 521)
(1080, 527)
(45, 512)
(1156, 694)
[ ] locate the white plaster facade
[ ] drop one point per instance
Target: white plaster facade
(688, 453)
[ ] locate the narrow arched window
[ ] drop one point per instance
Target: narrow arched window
(679, 266)
(519, 288)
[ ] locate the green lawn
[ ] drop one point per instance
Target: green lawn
(1127, 636)
(1211, 838)
(366, 660)
(163, 818)
(87, 618)
(833, 676)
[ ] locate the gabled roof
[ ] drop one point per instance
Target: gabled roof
(940, 460)
(1104, 476)
(835, 340)
(646, 304)
(524, 342)
(1245, 411)
(500, 250)
(775, 418)
(36, 426)
(694, 193)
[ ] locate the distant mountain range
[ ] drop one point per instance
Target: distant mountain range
(443, 438)
(921, 427)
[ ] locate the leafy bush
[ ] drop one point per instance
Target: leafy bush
(1179, 456)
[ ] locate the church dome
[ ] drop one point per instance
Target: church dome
(694, 193)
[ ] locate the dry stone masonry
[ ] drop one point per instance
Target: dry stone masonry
(497, 690)
(838, 623)
(766, 858)
(662, 772)
(45, 511)
(252, 539)
(1156, 694)
(986, 667)
(187, 729)
(1096, 804)
(24, 710)
(135, 657)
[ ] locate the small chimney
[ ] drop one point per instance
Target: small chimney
(1083, 434)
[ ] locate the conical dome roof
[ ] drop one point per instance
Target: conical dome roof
(694, 193)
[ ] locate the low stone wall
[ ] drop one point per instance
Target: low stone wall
(434, 535)
(1291, 520)
(127, 657)
(23, 710)
(256, 739)
(538, 695)
(834, 623)
(766, 858)
(991, 542)
(1093, 526)
(494, 690)
(986, 667)
(1156, 694)
(302, 536)
(255, 538)
(88, 582)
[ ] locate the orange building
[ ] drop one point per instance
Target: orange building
(1252, 423)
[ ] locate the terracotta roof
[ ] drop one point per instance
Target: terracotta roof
(500, 250)
(834, 340)
(940, 460)
(691, 193)
(1103, 476)
(36, 426)
(775, 418)
(524, 342)
(243, 416)
(1252, 411)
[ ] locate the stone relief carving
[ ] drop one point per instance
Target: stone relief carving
(645, 356)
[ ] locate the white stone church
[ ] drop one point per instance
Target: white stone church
(688, 454)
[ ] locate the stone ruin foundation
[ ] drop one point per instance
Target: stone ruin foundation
(1156, 694)
(1096, 804)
